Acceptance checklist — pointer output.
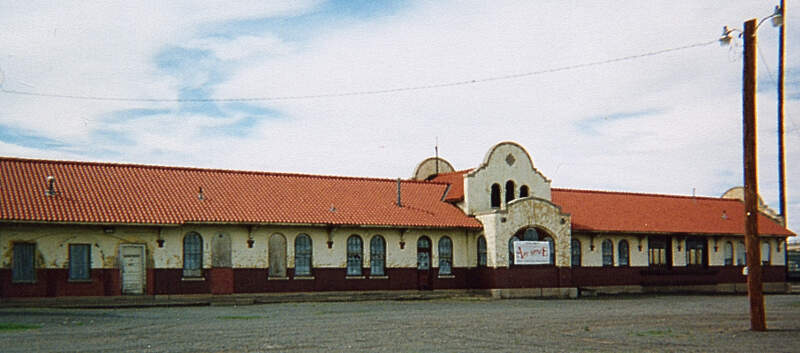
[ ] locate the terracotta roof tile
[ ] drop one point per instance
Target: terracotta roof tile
(140, 194)
(629, 212)
(456, 181)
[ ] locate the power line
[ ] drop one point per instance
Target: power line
(363, 92)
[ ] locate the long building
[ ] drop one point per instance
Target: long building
(102, 229)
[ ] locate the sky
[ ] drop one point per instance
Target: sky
(544, 74)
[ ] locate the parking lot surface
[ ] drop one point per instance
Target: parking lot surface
(613, 324)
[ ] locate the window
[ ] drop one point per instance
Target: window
(576, 253)
(622, 253)
(530, 235)
(658, 253)
(765, 253)
(277, 256)
(696, 251)
(608, 253)
(741, 257)
(302, 255)
(192, 255)
(79, 261)
(551, 248)
(523, 191)
(377, 256)
(495, 195)
(728, 254)
(445, 256)
(22, 268)
(481, 251)
(511, 249)
(354, 251)
(509, 191)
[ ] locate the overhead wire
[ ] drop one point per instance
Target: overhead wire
(361, 92)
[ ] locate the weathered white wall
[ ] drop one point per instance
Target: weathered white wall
(52, 244)
(496, 169)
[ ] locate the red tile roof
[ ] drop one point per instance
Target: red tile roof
(456, 181)
(140, 194)
(648, 213)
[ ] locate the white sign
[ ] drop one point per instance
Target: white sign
(531, 253)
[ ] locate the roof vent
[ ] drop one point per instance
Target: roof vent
(724, 215)
(51, 186)
(200, 195)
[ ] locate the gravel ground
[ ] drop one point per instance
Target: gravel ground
(636, 323)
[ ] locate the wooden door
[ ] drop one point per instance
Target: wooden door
(424, 278)
(132, 268)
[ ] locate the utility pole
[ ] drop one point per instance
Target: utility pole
(754, 280)
(781, 156)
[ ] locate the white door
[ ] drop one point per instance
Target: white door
(132, 268)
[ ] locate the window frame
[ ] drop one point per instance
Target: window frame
(696, 251)
(573, 249)
(306, 255)
(623, 254)
(496, 198)
(80, 271)
(445, 252)
(662, 247)
(377, 257)
(768, 260)
(355, 255)
(192, 257)
(607, 251)
(510, 191)
(482, 253)
(23, 270)
(728, 254)
(741, 254)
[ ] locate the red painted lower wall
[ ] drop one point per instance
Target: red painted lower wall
(106, 282)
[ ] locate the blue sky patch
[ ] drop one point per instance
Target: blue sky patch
(27, 138)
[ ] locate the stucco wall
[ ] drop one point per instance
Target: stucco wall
(505, 161)
(52, 244)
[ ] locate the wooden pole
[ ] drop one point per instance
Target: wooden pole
(754, 285)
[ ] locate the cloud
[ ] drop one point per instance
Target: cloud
(663, 123)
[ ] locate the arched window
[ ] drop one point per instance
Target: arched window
(511, 249)
(530, 235)
(495, 195)
(741, 258)
(192, 255)
(302, 255)
(523, 191)
(728, 254)
(445, 256)
(277, 256)
(576, 253)
(509, 191)
(765, 253)
(377, 256)
(608, 253)
(552, 248)
(481, 251)
(354, 254)
(622, 253)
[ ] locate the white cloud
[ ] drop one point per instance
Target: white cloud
(689, 139)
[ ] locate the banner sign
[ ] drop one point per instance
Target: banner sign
(531, 253)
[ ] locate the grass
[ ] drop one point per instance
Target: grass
(10, 326)
(238, 317)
